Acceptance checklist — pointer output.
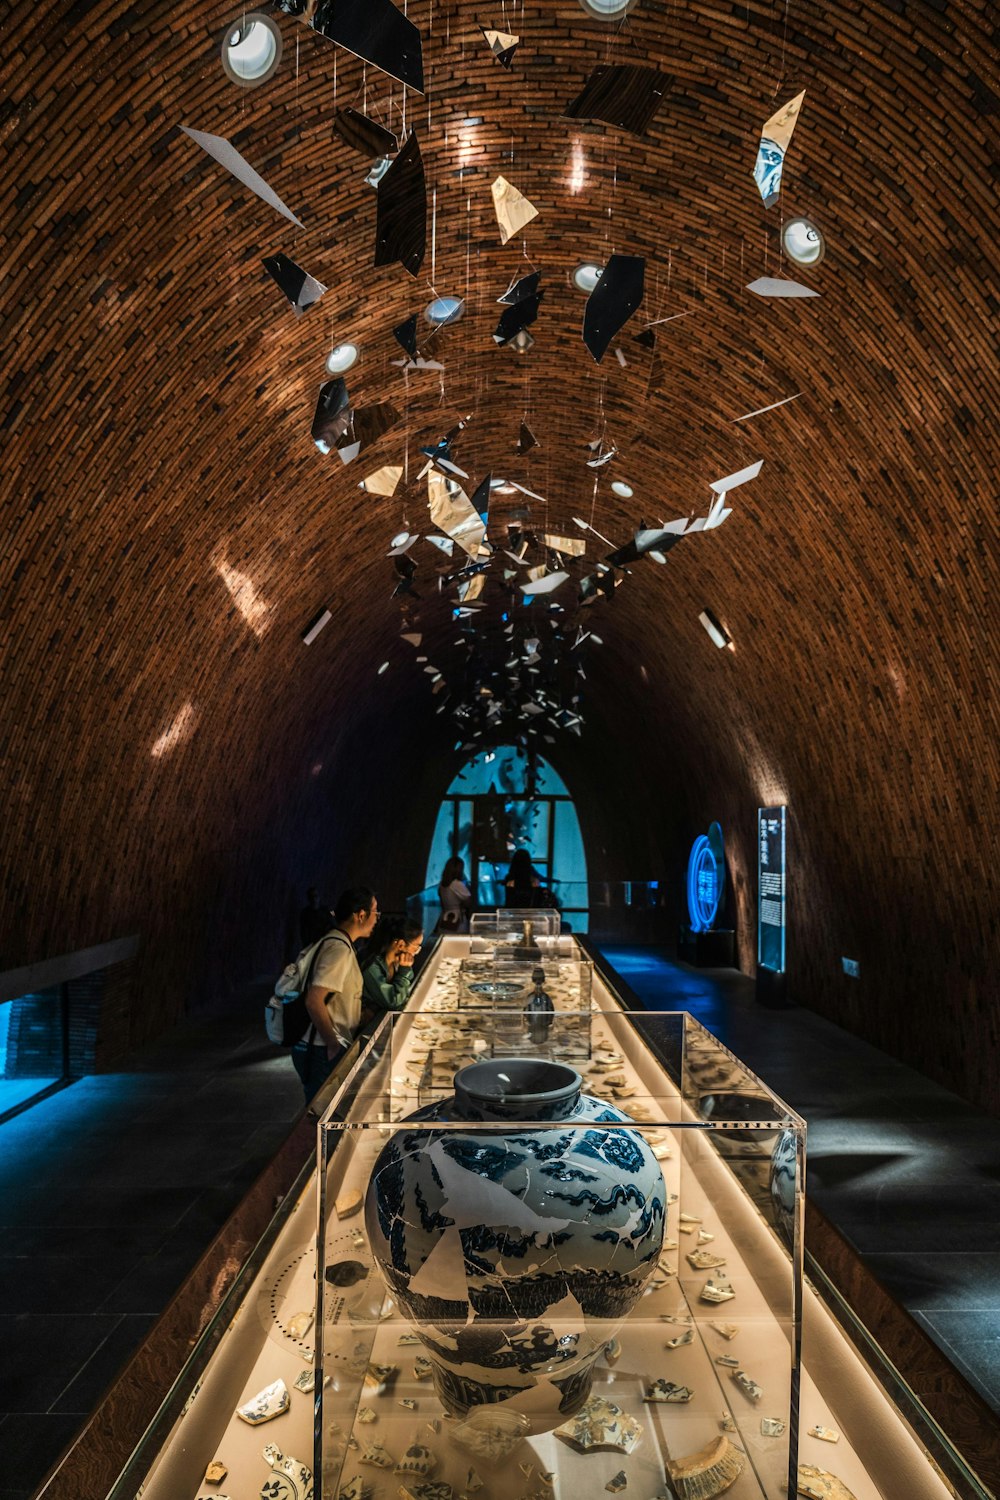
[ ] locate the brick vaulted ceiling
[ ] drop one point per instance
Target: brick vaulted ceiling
(156, 409)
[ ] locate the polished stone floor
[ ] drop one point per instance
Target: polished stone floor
(908, 1172)
(110, 1191)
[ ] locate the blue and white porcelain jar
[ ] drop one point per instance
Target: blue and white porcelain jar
(516, 1251)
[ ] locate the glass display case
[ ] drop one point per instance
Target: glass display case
(496, 931)
(543, 1274)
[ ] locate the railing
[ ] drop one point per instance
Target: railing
(629, 909)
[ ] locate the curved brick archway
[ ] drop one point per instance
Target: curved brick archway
(170, 528)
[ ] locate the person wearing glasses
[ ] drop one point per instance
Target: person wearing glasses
(333, 998)
(387, 975)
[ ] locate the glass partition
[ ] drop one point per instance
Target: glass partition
(540, 1273)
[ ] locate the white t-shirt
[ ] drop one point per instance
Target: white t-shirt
(337, 971)
(455, 898)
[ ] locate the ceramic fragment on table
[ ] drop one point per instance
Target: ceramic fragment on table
(707, 1472)
(749, 1387)
(216, 1472)
(615, 1485)
(704, 1260)
(290, 1478)
(817, 1484)
(825, 1434)
(267, 1404)
(725, 1330)
(489, 1433)
(377, 1457)
(771, 1427)
(717, 1291)
(667, 1392)
(601, 1426)
(305, 1381)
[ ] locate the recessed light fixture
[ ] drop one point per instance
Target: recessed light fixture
(716, 631)
(587, 275)
(251, 49)
(341, 358)
(444, 310)
(803, 241)
(607, 10)
(625, 491)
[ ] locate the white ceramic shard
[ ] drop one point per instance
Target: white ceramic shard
(376, 1457)
(417, 1462)
(291, 1479)
(749, 1387)
(601, 1426)
(771, 1427)
(733, 481)
(725, 1330)
(704, 1260)
(305, 1380)
(267, 1404)
(817, 1484)
(708, 1472)
(779, 286)
(513, 210)
(825, 1434)
(299, 1324)
(682, 1339)
(227, 156)
(349, 1201)
(384, 481)
(618, 1483)
(728, 1361)
(666, 1392)
(717, 1291)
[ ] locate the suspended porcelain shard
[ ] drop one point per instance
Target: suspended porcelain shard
(453, 513)
(626, 96)
(733, 481)
(545, 585)
(613, 301)
(779, 286)
(521, 301)
(373, 30)
(332, 417)
(759, 412)
(405, 335)
(526, 440)
(774, 142)
(569, 546)
(220, 150)
(401, 228)
(301, 289)
(513, 210)
(384, 481)
(481, 499)
(502, 44)
(364, 134)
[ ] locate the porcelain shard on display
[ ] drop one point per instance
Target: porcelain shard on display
(749, 1387)
(704, 1260)
(618, 1483)
(290, 1479)
(267, 1404)
(216, 1472)
(682, 1339)
(771, 1427)
(825, 1434)
(601, 1426)
(817, 1484)
(355, 1489)
(665, 1391)
(489, 1433)
(425, 1489)
(417, 1461)
(377, 1457)
(725, 1330)
(708, 1472)
(717, 1291)
(305, 1380)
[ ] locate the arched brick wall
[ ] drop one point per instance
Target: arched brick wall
(156, 402)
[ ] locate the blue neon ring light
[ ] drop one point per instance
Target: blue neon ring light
(704, 885)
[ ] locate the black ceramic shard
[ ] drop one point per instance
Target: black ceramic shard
(363, 134)
(372, 29)
(333, 414)
(622, 555)
(624, 96)
(301, 289)
(514, 319)
(647, 338)
(481, 502)
(521, 289)
(346, 1272)
(406, 336)
(613, 301)
(526, 440)
(401, 229)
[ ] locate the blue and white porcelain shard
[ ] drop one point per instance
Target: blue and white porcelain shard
(516, 1253)
(268, 1403)
(290, 1479)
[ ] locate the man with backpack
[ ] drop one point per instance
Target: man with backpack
(333, 991)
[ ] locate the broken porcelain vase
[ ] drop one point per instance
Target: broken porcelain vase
(516, 1251)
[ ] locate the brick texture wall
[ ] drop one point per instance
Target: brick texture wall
(155, 402)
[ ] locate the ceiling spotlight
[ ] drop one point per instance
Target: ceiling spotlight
(718, 634)
(607, 10)
(251, 50)
(444, 310)
(342, 358)
(803, 241)
(587, 275)
(625, 491)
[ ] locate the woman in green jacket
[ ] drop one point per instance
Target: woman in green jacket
(387, 974)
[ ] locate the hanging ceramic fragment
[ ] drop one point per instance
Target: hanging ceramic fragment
(569, 546)
(708, 1472)
(332, 417)
(363, 134)
(774, 142)
(220, 150)
(384, 481)
(513, 210)
(405, 335)
(401, 227)
(733, 481)
(301, 289)
(521, 301)
(613, 301)
(627, 96)
(526, 440)
(502, 44)
(762, 409)
(453, 513)
(373, 30)
(546, 585)
(779, 286)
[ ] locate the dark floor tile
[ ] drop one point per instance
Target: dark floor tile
(86, 1389)
(43, 1352)
(31, 1445)
(41, 1283)
(939, 1281)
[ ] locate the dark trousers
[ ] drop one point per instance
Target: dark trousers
(313, 1067)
